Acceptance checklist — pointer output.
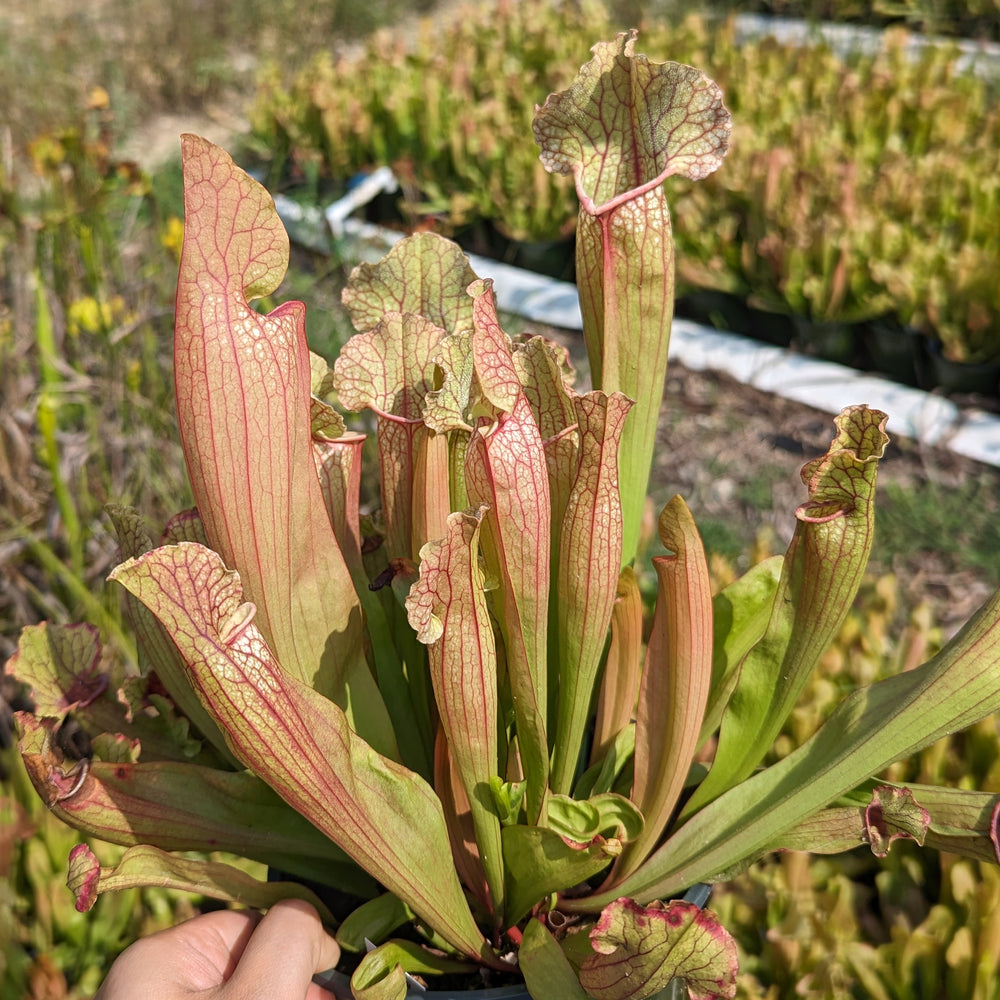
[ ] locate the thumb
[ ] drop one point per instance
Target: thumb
(285, 950)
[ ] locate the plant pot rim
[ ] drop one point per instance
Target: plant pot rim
(339, 984)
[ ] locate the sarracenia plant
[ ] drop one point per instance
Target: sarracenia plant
(448, 710)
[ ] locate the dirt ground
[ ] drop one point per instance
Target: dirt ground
(735, 453)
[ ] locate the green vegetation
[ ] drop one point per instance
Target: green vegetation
(854, 188)
(84, 343)
(47, 948)
(960, 523)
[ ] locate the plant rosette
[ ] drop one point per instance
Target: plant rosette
(448, 709)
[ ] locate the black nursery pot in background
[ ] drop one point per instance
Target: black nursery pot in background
(554, 258)
(340, 986)
(771, 326)
(721, 310)
(980, 378)
(896, 351)
(829, 340)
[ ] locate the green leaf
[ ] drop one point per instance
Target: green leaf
(381, 970)
(956, 820)
(962, 821)
(740, 613)
(622, 128)
(61, 666)
(375, 979)
(505, 469)
(452, 405)
(65, 669)
(491, 350)
(145, 866)
(182, 807)
(154, 643)
(447, 609)
(478, 375)
(508, 796)
(603, 814)
(589, 565)
(871, 729)
(540, 862)
(675, 680)
(894, 813)
(829, 831)
(546, 377)
(458, 816)
(431, 494)
(380, 813)
(602, 776)
(626, 124)
(640, 949)
(423, 274)
(373, 920)
(547, 971)
(325, 422)
(629, 307)
(622, 667)
(243, 385)
(389, 369)
(823, 568)
(186, 526)
(338, 464)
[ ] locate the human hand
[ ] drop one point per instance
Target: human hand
(227, 955)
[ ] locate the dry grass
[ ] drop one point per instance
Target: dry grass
(171, 55)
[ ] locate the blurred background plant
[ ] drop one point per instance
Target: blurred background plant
(47, 949)
(86, 392)
(969, 18)
(826, 151)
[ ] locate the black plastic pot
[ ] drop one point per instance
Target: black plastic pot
(771, 326)
(896, 350)
(554, 258)
(831, 341)
(721, 310)
(340, 986)
(385, 210)
(480, 237)
(982, 378)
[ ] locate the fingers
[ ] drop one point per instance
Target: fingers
(181, 961)
(282, 954)
(228, 955)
